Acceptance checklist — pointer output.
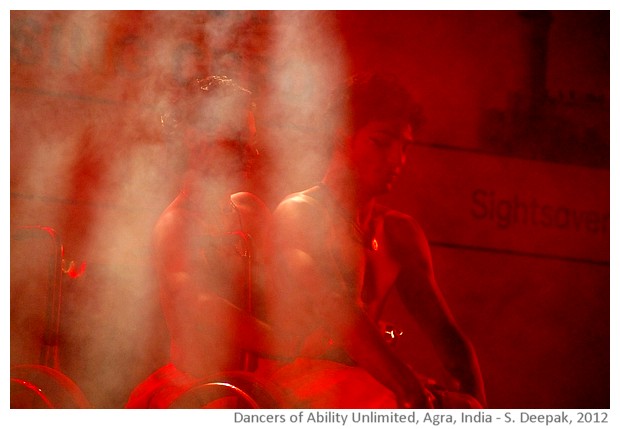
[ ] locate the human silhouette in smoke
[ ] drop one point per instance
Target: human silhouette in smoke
(337, 253)
(207, 247)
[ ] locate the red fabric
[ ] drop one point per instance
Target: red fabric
(315, 383)
(160, 389)
(304, 383)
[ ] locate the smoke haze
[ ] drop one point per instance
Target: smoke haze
(89, 157)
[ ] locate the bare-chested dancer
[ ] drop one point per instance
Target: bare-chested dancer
(337, 255)
(208, 248)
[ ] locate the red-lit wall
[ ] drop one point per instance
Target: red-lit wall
(512, 191)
